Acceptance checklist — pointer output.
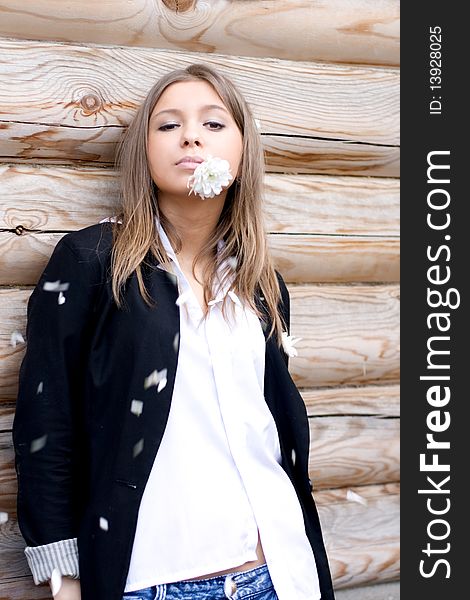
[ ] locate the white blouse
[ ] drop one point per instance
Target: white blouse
(217, 478)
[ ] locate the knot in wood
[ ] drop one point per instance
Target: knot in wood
(90, 103)
(19, 229)
(179, 5)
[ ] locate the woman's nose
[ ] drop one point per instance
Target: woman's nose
(191, 136)
(191, 139)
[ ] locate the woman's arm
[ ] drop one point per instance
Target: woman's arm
(69, 590)
(46, 436)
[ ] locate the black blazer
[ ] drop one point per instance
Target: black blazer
(92, 360)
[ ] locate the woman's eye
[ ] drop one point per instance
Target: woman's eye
(215, 123)
(165, 127)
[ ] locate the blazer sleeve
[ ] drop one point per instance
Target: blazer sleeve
(45, 435)
(284, 307)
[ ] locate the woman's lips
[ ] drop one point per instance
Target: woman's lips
(188, 165)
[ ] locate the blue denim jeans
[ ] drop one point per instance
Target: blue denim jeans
(254, 584)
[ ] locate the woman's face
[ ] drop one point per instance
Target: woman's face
(190, 129)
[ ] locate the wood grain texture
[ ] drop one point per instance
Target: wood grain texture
(361, 538)
(301, 258)
(53, 197)
(350, 229)
(353, 451)
(370, 400)
(96, 91)
(350, 335)
(356, 31)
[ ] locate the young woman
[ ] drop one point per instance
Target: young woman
(161, 445)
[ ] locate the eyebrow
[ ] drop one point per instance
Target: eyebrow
(202, 109)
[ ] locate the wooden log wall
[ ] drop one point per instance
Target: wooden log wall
(71, 77)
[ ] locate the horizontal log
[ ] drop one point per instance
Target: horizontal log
(40, 197)
(301, 258)
(371, 400)
(350, 335)
(352, 32)
(30, 143)
(353, 451)
(351, 228)
(345, 105)
(361, 536)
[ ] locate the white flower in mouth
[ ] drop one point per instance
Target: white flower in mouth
(288, 342)
(209, 177)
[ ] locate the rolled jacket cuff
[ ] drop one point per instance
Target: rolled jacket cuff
(61, 555)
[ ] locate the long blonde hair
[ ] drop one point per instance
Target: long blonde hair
(240, 224)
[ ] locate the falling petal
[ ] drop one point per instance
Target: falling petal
(183, 298)
(3, 517)
(111, 219)
(55, 286)
(288, 342)
(138, 447)
(161, 384)
(39, 390)
(38, 443)
(61, 298)
(151, 380)
(293, 456)
(137, 407)
(56, 581)
(258, 123)
(175, 341)
(353, 497)
(104, 524)
(156, 378)
(16, 336)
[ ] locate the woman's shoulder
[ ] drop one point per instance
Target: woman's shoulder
(91, 243)
(85, 252)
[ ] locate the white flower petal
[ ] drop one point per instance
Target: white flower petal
(158, 378)
(61, 298)
(16, 336)
(55, 286)
(56, 581)
(137, 407)
(38, 443)
(39, 390)
(104, 524)
(288, 342)
(175, 341)
(138, 447)
(353, 497)
(3, 517)
(111, 219)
